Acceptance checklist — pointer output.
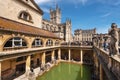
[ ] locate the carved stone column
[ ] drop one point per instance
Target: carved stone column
(81, 53)
(43, 58)
(53, 55)
(28, 60)
(59, 54)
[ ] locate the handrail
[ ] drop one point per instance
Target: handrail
(112, 63)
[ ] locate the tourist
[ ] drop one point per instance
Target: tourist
(105, 45)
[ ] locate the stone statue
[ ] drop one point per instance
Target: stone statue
(101, 41)
(114, 40)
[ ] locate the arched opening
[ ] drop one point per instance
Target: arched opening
(15, 43)
(49, 43)
(25, 16)
(37, 43)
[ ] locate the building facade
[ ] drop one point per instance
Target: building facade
(23, 11)
(26, 43)
(62, 30)
(84, 35)
(23, 43)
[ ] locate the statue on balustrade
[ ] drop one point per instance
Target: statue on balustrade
(101, 41)
(94, 41)
(114, 40)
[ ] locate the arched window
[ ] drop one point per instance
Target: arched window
(25, 16)
(15, 42)
(37, 43)
(49, 43)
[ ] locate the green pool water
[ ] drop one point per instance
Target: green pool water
(67, 71)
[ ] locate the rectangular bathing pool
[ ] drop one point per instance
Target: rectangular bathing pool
(67, 71)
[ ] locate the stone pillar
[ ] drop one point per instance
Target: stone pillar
(0, 70)
(81, 53)
(30, 40)
(53, 55)
(13, 64)
(1, 48)
(43, 58)
(44, 43)
(69, 54)
(59, 54)
(101, 72)
(97, 66)
(110, 63)
(1, 42)
(28, 60)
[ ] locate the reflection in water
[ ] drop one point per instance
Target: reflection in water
(81, 69)
(59, 68)
(69, 67)
(52, 73)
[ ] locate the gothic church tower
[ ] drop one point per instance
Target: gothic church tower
(55, 15)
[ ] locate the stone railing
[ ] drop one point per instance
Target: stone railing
(112, 62)
(15, 48)
(73, 45)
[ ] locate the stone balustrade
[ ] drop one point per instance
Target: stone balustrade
(112, 62)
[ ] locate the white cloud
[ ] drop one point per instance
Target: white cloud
(109, 2)
(45, 9)
(83, 2)
(45, 4)
(106, 15)
(42, 1)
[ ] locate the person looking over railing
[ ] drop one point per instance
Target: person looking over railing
(105, 45)
(114, 40)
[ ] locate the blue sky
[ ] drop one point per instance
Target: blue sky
(86, 14)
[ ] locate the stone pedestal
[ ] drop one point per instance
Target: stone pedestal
(31, 76)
